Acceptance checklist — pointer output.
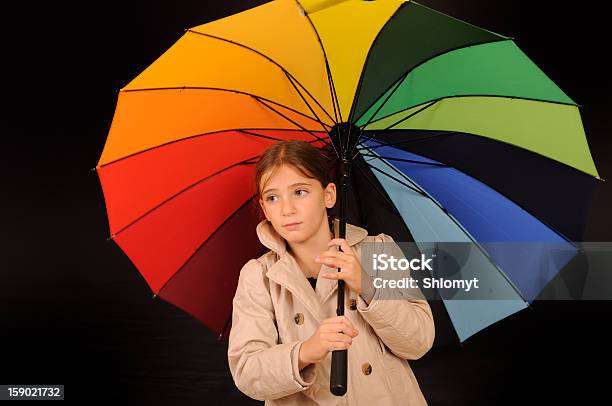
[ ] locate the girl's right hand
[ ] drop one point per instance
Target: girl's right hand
(334, 333)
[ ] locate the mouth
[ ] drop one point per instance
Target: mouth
(289, 225)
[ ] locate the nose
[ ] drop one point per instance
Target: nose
(288, 208)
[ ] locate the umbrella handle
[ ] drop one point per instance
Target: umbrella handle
(339, 362)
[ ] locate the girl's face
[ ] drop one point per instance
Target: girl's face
(290, 197)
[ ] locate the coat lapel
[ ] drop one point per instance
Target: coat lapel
(286, 271)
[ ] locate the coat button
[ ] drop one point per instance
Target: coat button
(366, 368)
(299, 318)
(352, 304)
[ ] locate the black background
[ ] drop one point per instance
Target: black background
(73, 309)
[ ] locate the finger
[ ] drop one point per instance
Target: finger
(334, 345)
(343, 274)
(337, 255)
(332, 254)
(339, 326)
(334, 275)
(338, 323)
(334, 327)
(337, 337)
(334, 262)
(347, 321)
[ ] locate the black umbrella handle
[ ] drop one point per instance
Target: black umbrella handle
(339, 362)
(341, 136)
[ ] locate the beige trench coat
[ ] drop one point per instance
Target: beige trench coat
(275, 309)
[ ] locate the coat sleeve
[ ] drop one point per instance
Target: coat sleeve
(262, 368)
(405, 325)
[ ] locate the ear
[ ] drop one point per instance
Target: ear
(330, 195)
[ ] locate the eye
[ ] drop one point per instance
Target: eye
(302, 190)
(269, 198)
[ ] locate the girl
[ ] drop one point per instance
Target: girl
(283, 329)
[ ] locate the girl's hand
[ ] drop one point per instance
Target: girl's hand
(346, 260)
(334, 333)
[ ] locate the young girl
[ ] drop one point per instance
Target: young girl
(284, 329)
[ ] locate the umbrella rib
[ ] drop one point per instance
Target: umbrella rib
(271, 138)
(330, 79)
(406, 160)
(412, 114)
(397, 86)
(243, 130)
(305, 102)
(421, 191)
(372, 183)
(397, 180)
(259, 135)
(335, 102)
(218, 89)
(290, 120)
(269, 59)
(361, 128)
(157, 206)
(403, 119)
(382, 144)
(334, 120)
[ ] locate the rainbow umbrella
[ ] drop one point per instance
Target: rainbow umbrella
(430, 112)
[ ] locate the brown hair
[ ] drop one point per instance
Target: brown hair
(304, 157)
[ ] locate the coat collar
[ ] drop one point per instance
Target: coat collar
(286, 271)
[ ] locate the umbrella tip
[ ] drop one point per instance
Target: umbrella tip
(111, 237)
(94, 168)
(154, 296)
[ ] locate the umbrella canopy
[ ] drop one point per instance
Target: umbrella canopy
(428, 107)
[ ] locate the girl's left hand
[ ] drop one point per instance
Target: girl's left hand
(346, 260)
